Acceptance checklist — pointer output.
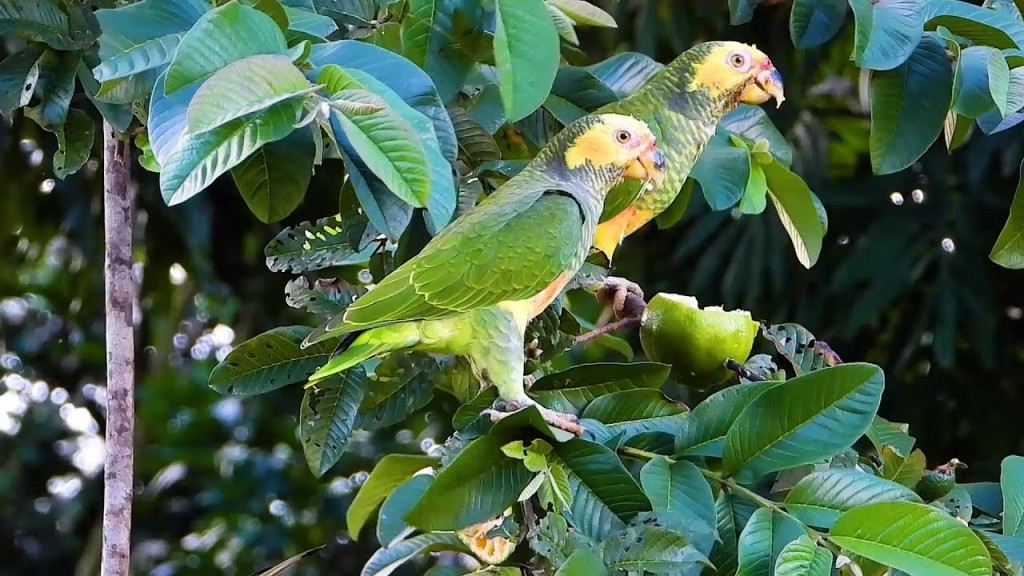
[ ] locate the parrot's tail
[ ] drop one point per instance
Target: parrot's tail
(357, 347)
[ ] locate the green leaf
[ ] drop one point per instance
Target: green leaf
(814, 22)
(732, 513)
(328, 297)
(883, 432)
(914, 538)
(762, 541)
(222, 36)
(805, 419)
(802, 557)
(307, 247)
(386, 143)
(584, 13)
(633, 412)
(42, 21)
(625, 72)
(909, 105)
(480, 483)
(74, 143)
(651, 549)
(1008, 251)
(979, 25)
(804, 352)
(146, 56)
(328, 416)
(308, 22)
(198, 159)
(887, 32)
(741, 11)
(473, 140)
(794, 203)
(755, 196)
(722, 171)
(387, 560)
(526, 53)
(242, 87)
(390, 409)
(984, 79)
(905, 470)
(986, 496)
(819, 498)
(54, 89)
(1012, 482)
(604, 494)
(269, 361)
(703, 431)
(583, 563)
(392, 470)
(1012, 546)
(563, 24)
(752, 124)
(391, 525)
(641, 374)
(274, 179)
(680, 490)
(18, 75)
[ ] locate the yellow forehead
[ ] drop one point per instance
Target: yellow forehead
(714, 73)
(599, 145)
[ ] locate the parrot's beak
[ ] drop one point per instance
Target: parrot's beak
(767, 84)
(649, 167)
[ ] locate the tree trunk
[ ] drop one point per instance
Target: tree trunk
(118, 210)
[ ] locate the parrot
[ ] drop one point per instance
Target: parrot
(682, 104)
(474, 287)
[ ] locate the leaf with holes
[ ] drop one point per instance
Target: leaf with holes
(313, 246)
(480, 483)
(269, 361)
(54, 89)
(805, 419)
(1008, 251)
(200, 159)
(526, 53)
(640, 549)
(805, 352)
(763, 538)
(327, 297)
(274, 179)
(242, 87)
(74, 143)
(328, 416)
(814, 22)
(18, 75)
(802, 557)
(914, 538)
(386, 560)
(604, 494)
(390, 472)
(703, 431)
(819, 498)
(395, 406)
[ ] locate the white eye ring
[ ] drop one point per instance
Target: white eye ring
(739, 61)
(623, 136)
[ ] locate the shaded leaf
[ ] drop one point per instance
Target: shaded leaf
(804, 352)
(887, 32)
(18, 75)
(795, 206)
(54, 89)
(1008, 251)
(269, 361)
(1012, 482)
(762, 541)
(633, 412)
(703, 431)
(732, 513)
(387, 560)
(680, 490)
(814, 22)
(526, 53)
(651, 549)
(274, 179)
(584, 13)
(328, 416)
(802, 557)
(327, 297)
(74, 143)
(392, 470)
(391, 525)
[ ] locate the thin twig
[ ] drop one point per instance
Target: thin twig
(612, 327)
(120, 298)
(742, 371)
(730, 485)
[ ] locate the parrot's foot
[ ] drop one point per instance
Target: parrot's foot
(560, 420)
(625, 297)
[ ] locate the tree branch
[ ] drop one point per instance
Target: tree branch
(742, 371)
(120, 290)
(611, 327)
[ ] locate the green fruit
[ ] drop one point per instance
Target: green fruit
(695, 341)
(934, 485)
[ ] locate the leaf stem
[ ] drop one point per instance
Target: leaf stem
(730, 485)
(612, 327)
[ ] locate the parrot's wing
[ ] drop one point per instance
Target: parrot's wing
(506, 250)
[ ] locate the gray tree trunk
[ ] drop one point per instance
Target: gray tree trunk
(118, 210)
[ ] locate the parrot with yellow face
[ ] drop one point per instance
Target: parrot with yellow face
(682, 104)
(474, 287)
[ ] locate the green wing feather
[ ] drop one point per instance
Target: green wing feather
(510, 247)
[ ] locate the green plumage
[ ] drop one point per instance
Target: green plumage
(453, 297)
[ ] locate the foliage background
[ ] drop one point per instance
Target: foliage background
(904, 282)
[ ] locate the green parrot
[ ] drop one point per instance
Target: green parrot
(682, 104)
(474, 287)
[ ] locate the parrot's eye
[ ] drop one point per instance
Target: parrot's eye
(623, 136)
(739, 61)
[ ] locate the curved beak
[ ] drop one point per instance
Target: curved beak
(767, 84)
(649, 167)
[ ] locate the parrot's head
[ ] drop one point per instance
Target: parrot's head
(616, 147)
(735, 72)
